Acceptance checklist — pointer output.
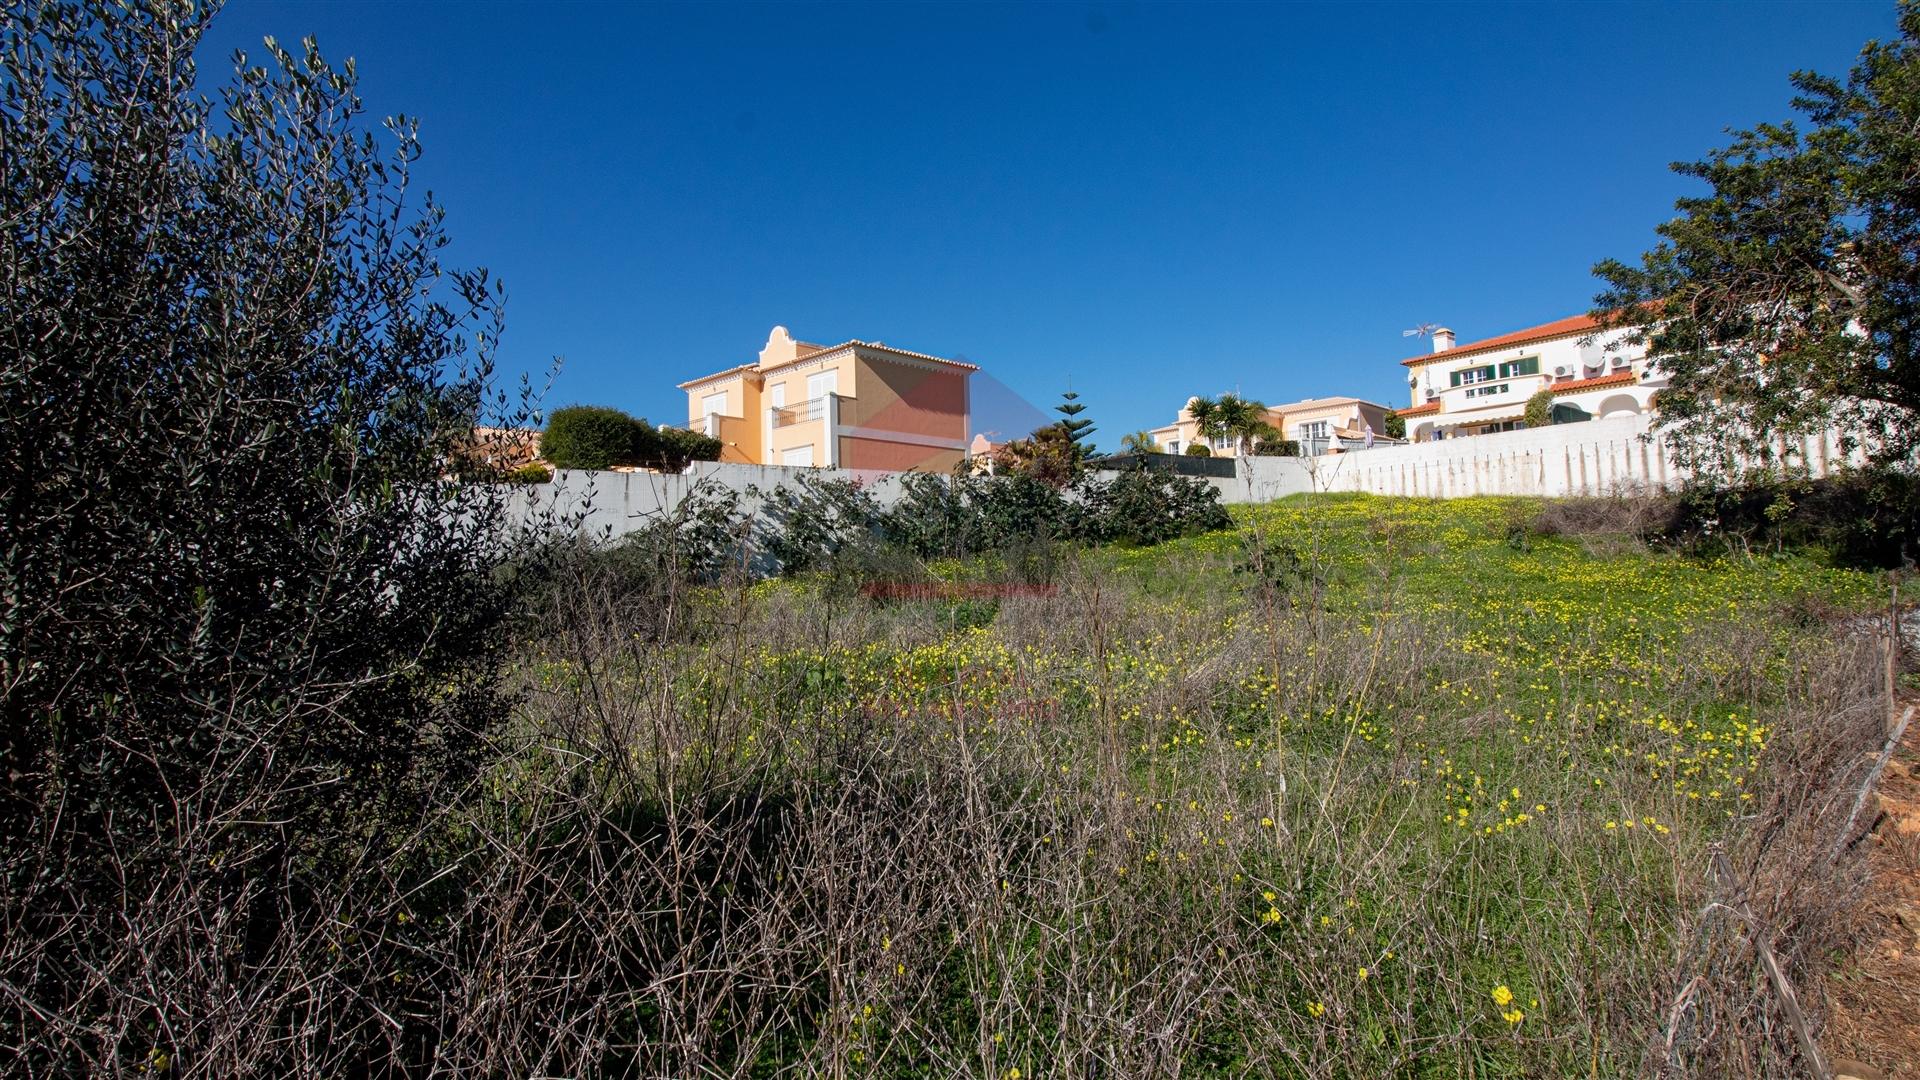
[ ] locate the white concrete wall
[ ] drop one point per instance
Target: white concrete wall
(1264, 479)
(611, 504)
(1597, 457)
(616, 503)
(1593, 458)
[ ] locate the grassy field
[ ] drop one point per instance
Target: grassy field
(1363, 787)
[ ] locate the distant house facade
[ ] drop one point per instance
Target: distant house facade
(1483, 386)
(1320, 425)
(855, 405)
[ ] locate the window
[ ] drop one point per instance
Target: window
(1173, 446)
(1483, 391)
(819, 386)
(1526, 365)
(713, 404)
(799, 456)
(1315, 430)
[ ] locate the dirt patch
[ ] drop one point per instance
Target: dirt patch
(1873, 995)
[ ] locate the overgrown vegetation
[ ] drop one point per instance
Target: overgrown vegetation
(1868, 519)
(1361, 787)
(1023, 776)
(809, 522)
(249, 621)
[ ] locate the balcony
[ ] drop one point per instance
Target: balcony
(815, 409)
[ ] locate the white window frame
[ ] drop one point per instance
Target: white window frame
(797, 457)
(819, 386)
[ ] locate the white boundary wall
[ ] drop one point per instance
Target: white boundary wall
(617, 503)
(1596, 457)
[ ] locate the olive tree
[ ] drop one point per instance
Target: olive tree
(250, 619)
(1785, 300)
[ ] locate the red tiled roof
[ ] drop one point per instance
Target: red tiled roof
(1419, 410)
(1618, 378)
(1574, 325)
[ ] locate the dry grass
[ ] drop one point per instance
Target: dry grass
(1177, 819)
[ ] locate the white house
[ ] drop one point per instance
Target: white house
(1483, 386)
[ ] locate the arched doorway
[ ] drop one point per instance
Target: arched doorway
(1618, 405)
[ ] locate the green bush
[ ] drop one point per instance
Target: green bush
(531, 473)
(1276, 448)
(674, 448)
(811, 520)
(1539, 411)
(812, 523)
(1198, 450)
(1145, 506)
(1867, 518)
(591, 437)
(597, 437)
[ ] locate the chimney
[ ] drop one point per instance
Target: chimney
(1442, 339)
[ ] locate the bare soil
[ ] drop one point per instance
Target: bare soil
(1874, 995)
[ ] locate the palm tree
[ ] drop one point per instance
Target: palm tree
(1139, 442)
(1230, 416)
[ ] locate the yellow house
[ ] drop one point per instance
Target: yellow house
(855, 405)
(1318, 424)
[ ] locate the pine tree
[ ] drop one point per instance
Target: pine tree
(1070, 410)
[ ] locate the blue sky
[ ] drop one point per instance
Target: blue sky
(1145, 201)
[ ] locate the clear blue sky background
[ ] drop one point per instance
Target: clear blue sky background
(1145, 200)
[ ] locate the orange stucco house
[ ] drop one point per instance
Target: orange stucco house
(855, 405)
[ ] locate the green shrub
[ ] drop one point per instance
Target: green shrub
(810, 520)
(590, 437)
(1868, 518)
(531, 473)
(674, 448)
(811, 523)
(1198, 450)
(1539, 412)
(1277, 448)
(1145, 506)
(597, 437)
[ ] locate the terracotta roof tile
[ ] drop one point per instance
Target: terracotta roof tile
(1618, 378)
(1561, 328)
(1419, 410)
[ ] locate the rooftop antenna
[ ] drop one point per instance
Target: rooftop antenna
(1425, 329)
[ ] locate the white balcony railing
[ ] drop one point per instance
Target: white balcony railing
(813, 409)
